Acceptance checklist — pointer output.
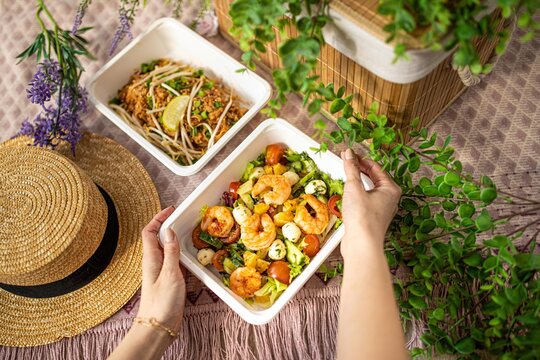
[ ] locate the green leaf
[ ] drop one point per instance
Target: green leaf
(465, 211)
(438, 314)
(451, 178)
(409, 204)
(414, 164)
(344, 124)
(487, 195)
(417, 302)
(474, 195)
(424, 181)
(465, 346)
(473, 260)
(337, 105)
(490, 263)
(486, 181)
(483, 221)
(506, 256)
(431, 190)
(449, 205)
(427, 226)
(468, 187)
(444, 189)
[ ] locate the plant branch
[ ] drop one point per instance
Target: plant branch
(521, 228)
(505, 217)
(476, 181)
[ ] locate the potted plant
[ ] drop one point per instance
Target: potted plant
(345, 42)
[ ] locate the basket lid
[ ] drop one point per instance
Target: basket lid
(364, 14)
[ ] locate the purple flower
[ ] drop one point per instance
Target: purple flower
(27, 129)
(44, 82)
(126, 14)
(60, 121)
(83, 5)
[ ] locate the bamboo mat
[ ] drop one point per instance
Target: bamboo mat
(496, 128)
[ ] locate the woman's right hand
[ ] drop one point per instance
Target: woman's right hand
(366, 214)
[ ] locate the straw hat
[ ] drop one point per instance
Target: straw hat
(70, 246)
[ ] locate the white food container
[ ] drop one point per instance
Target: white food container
(169, 38)
(209, 192)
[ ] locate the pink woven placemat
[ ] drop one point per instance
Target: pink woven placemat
(496, 127)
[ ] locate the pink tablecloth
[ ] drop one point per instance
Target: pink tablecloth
(496, 129)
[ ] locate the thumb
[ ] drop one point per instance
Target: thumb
(351, 166)
(171, 251)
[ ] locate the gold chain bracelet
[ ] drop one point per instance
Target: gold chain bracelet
(153, 323)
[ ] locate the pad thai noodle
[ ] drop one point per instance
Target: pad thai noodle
(177, 108)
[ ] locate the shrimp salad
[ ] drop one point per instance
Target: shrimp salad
(270, 224)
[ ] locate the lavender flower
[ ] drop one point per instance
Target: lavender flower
(126, 14)
(44, 82)
(83, 5)
(27, 129)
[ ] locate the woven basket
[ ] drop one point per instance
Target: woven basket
(426, 97)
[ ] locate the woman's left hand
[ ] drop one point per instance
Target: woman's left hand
(163, 292)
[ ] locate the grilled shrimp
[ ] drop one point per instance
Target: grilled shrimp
(312, 224)
(245, 282)
(279, 189)
(217, 221)
(252, 236)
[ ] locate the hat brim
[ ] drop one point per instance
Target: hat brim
(28, 321)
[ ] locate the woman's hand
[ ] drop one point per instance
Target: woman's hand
(163, 295)
(369, 326)
(366, 214)
(163, 292)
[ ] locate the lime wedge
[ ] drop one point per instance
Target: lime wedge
(174, 113)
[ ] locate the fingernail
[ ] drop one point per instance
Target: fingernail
(169, 236)
(349, 154)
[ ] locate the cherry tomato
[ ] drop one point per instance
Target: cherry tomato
(234, 235)
(217, 259)
(196, 239)
(274, 153)
(332, 205)
(233, 186)
(280, 271)
(313, 245)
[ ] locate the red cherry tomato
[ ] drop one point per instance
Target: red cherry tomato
(217, 260)
(313, 245)
(196, 239)
(274, 154)
(332, 205)
(233, 186)
(280, 271)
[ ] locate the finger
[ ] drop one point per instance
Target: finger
(155, 224)
(375, 172)
(171, 252)
(350, 165)
(152, 253)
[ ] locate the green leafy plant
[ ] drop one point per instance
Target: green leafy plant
(462, 280)
(466, 283)
(443, 25)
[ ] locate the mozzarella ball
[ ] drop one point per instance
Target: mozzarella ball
(205, 256)
(241, 213)
(277, 250)
(256, 173)
(316, 187)
(292, 177)
(291, 232)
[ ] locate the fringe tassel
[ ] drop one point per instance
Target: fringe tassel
(305, 329)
